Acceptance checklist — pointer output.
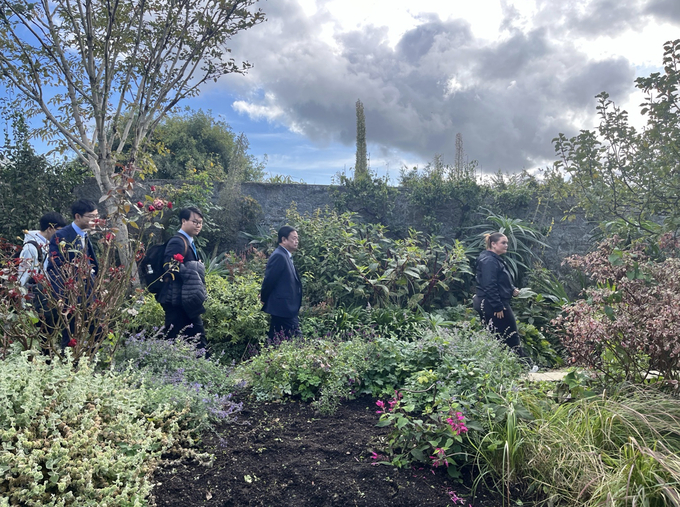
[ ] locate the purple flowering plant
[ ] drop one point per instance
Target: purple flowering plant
(178, 373)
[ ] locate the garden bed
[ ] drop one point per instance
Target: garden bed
(285, 454)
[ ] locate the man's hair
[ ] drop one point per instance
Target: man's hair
(285, 231)
(82, 206)
(185, 213)
(52, 219)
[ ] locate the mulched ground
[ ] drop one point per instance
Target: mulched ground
(285, 454)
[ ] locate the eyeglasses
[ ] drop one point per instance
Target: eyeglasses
(198, 223)
(91, 215)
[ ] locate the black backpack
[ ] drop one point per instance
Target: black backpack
(151, 268)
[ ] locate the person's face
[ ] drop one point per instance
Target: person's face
(86, 221)
(501, 246)
(291, 242)
(192, 226)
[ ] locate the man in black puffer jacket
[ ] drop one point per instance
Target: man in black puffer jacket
(185, 276)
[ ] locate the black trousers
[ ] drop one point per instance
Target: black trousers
(283, 328)
(177, 322)
(505, 328)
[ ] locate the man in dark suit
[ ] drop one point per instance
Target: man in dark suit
(281, 292)
(177, 319)
(67, 247)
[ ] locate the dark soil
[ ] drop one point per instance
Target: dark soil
(285, 454)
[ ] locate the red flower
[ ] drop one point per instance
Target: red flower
(153, 188)
(109, 236)
(140, 204)
(72, 343)
(151, 208)
(169, 205)
(158, 204)
(178, 257)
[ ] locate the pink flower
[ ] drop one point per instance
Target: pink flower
(178, 257)
(151, 208)
(153, 188)
(109, 236)
(380, 404)
(140, 204)
(72, 342)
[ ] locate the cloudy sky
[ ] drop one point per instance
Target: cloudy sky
(508, 75)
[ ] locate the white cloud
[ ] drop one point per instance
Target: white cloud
(508, 75)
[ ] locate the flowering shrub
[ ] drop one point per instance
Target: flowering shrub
(433, 438)
(70, 436)
(177, 374)
(629, 323)
(90, 307)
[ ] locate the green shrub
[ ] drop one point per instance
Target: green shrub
(233, 317)
(322, 370)
(73, 436)
(434, 438)
(357, 265)
(344, 323)
(144, 313)
(464, 364)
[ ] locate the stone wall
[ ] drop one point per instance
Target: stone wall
(567, 237)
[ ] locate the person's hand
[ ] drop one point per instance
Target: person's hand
(515, 293)
(498, 315)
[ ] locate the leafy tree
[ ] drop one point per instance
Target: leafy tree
(31, 185)
(197, 142)
(104, 74)
(361, 165)
(631, 175)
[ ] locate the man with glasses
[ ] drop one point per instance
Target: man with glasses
(184, 292)
(68, 245)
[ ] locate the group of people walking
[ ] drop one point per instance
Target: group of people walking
(183, 291)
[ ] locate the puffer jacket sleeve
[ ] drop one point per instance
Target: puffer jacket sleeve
(194, 293)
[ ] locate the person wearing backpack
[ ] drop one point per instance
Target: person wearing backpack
(37, 245)
(183, 292)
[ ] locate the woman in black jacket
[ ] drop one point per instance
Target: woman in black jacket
(494, 291)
